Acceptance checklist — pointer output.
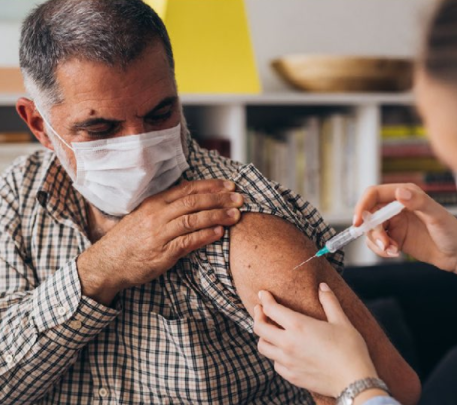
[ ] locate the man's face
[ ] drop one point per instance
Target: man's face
(103, 102)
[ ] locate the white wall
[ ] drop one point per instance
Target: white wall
(278, 27)
(9, 43)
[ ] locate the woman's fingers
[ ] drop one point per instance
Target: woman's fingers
(372, 197)
(382, 245)
(278, 313)
(269, 350)
(380, 237)
(332, 306)
(283, 371)
(383, 242)
(266, 330)
(410, 195)
(415, 199)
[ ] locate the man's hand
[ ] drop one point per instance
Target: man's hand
(150, 240)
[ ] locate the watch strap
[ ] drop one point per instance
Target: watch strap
(357, 387)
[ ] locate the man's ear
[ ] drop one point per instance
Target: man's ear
(27, 111)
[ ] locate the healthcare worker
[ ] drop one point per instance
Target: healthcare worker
(331, 357)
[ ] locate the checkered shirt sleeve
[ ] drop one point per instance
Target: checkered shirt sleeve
(42, 327)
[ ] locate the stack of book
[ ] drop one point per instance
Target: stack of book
(316, 158)
(408, 158)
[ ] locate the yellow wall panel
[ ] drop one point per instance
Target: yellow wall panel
(211, 44)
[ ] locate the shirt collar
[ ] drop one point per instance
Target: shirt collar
(59, 198)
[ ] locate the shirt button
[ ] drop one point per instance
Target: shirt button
(76, 324)
(61, 311)
(9, 359)
(103, 392)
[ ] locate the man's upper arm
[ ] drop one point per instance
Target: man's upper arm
(263, 252)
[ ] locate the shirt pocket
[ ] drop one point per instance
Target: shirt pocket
(179, 358)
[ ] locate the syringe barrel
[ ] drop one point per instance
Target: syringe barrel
(340, 240)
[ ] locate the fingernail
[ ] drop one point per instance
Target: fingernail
(233, 212)
(218, 230)
(380, 244)
(260, 295)
(404, 194)
(324, 287)
(236, 198)
(229, 185)
(392, 251)
(354, 219)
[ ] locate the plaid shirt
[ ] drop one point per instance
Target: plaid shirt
(183, 338)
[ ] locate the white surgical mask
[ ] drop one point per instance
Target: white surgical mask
(117, 174)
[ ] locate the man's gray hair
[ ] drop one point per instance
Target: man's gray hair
(114, 32)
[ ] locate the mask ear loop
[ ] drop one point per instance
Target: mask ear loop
(52, 129)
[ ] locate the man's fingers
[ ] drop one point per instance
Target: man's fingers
(278, 313)
(201, 202)
(201, 220)
(266, 330)
(197, 187)
(268, 350)
(186, 244)
(332, 306)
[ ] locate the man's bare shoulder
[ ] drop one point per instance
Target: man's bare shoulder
(264, 249)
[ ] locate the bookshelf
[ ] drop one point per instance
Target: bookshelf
(229, 116)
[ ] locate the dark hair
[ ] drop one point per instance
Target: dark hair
(114, 32)
(440, 54)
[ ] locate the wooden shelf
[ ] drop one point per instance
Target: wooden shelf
(297, 98)
(285, 98)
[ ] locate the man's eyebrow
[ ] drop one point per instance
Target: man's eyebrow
(93, 121)
(81, 125)
(164, 103)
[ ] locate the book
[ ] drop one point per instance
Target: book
(316, 157)
(221, 145)
(408, 149)
(312, 161)
(428, 164)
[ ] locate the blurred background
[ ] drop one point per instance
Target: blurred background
(318, 95)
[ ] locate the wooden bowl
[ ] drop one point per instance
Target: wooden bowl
(333, 74)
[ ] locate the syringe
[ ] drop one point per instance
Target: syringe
(370, 221)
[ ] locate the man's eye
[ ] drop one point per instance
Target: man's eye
(160, 117)
(101, 131)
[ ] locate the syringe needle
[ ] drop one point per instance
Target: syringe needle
(303, 263)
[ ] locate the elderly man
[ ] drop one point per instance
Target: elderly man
(121, 281)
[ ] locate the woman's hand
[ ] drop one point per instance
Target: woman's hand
(323, 357)
(424, 230)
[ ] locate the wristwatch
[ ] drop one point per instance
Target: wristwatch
(348, 395)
